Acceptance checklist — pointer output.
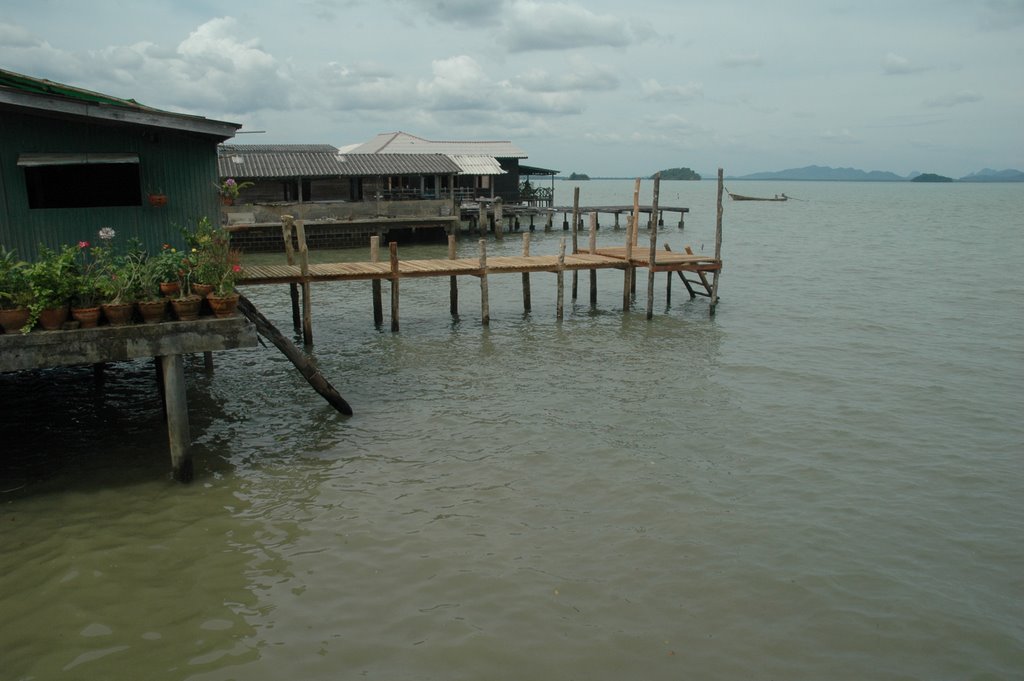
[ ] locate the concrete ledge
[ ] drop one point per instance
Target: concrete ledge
(41, 349)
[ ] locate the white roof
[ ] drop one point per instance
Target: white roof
(477, 165)
(404, 143)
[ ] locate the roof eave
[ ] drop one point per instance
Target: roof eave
(150, 117)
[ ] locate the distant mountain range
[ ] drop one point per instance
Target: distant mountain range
(824, 173)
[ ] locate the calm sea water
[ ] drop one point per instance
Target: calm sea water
(823, 481)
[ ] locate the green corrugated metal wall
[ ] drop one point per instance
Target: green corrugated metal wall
(181, 165)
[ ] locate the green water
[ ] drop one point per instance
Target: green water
(821, 482)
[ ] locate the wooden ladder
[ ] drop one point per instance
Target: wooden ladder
(693, 285)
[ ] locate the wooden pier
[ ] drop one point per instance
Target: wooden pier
(299, 272)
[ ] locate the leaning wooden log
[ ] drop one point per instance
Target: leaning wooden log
(298, 358)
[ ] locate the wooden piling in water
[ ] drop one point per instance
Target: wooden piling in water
(718, 245)
(393, 252)
(453, 282)
(526, 275)
(172, 370)
(307, 301)
(485, 304)
(575, 231)
(593, 250)
(561, 280)
(289, 252)
(378, 304)
(629, 283)
(499, 228)
(653, 253)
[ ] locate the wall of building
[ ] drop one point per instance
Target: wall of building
(180, 165)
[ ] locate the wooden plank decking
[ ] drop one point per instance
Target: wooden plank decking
(605, 258)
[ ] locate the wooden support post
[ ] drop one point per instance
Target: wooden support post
(482, 221)
(378, 303)
(499, 229)
(307, 302)
(628, 285)
(207, 362)
(549, 220)
(668, 288)
(526, 275)
(575, 237)
(616, 220)
(653, 252)
(453, 281)
(718, 246)
(593, 250)
(179, 437)
(299, 360)
(485, 304)
(682, 213)
(289, 252)
(560, 310)
(393, 252)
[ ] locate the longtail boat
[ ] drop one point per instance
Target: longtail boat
(741, 197)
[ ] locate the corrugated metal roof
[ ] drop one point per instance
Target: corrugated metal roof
(404, 143)
(323, 160)
(478, 165)
(398, 164)
(38, 93)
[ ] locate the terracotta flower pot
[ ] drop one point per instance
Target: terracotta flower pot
(118, 314)
(169, 288)
(223, 306)
(186, 309)
(11, 321)
(202, 290)
(87, 317)
(52, 318)
(152, 311)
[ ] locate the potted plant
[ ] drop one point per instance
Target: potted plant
(157, 198)
(15, 292)
(88, 286)
(229, 190)
(52, 278)
(167, 269)
(186, 304)
(151, 304)
(208, 247)
(224, 299)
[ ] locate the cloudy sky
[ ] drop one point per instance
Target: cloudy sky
(605, 87)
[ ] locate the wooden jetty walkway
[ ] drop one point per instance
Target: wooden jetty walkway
(298, 271)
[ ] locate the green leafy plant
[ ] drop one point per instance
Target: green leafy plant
(53, 280)
(15, 290)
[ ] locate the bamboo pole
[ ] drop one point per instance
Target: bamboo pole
(485, 304)
(307, 300)
(560, 310)
(575, 237)
(593, 250)
(526, 275)
(653, 252)
(393, 253)
(718, 246)
(299, 359)
(378, 304)
(453, 281)
(289, 252)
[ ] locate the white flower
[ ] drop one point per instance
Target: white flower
(107, 233)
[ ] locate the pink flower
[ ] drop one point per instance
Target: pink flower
(236, 268)
(83, 244)
(230, 182)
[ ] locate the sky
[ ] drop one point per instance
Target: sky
(603, 87)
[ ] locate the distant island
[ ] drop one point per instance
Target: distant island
(579, 176)
(825, 173)
(677, 174)
(931, 177)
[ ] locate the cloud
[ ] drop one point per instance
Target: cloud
(579, 75)
(534, 25)
(1001, 15)
(655, 91)
(945, 101)
(739, 60)
(465, 13)
(12, 35)
(842, 136)
(896, 65)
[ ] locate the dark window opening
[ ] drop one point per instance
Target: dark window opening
(86, 185)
